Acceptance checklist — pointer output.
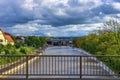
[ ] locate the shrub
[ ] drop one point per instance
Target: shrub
(1, 48)
(7, 51)
(23, 50)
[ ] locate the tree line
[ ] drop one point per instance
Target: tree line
(103, 42)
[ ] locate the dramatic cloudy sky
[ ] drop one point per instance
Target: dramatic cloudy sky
(56, 17)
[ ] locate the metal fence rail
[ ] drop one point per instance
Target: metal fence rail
(55, 66)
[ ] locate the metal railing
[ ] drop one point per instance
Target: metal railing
(64, 66)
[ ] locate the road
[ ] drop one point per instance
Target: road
(63, 65)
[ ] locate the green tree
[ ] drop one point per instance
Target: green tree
(105, 42)
(1, 48)
(114, 26)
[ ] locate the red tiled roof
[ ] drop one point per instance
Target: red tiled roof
(8, 37)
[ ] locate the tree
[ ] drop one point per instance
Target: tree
(114, 26)
(105, 42)
(1, 48)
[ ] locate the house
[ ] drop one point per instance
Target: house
(20, 39)
(5, 38)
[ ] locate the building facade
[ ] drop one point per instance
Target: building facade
(5, 38)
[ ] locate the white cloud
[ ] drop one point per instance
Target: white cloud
(91, 3)
(118, 15)
(60, 12)
(48, 30)
(116, 5)
(53, 2)
(48, 34)
(84, 5)
(29, 4)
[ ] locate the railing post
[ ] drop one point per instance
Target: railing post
(80, 67)
(27, 67)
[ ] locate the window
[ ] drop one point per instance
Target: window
(1, 40)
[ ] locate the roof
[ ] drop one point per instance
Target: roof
(8, 37)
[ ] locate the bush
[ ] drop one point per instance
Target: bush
(23, 50)
(26, 50)
(17, 45)
(1, 48)
(7, 51)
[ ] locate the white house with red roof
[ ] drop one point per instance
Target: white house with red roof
(5, 38)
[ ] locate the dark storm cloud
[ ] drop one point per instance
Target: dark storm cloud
(37, 14)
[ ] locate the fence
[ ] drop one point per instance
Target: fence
(59, 66)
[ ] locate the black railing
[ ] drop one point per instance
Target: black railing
(55, 66)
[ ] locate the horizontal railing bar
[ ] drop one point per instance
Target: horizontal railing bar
(11, 75)
(57, 79)
(98, 75)
(60, 55)
(55, 75)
